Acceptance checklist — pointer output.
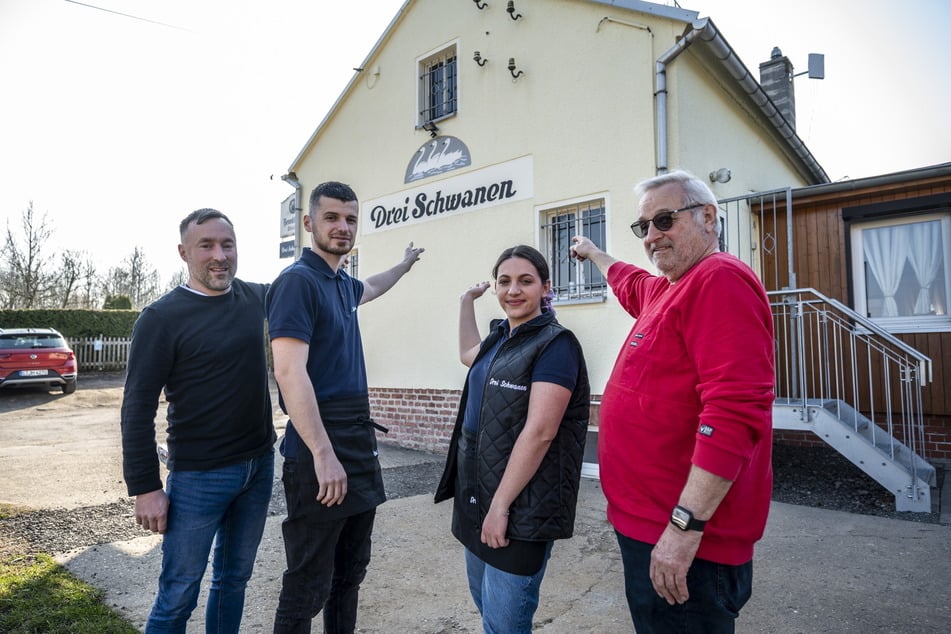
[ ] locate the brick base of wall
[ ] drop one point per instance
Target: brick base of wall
(420, 419)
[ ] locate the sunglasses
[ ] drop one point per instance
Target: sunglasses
(663, 221)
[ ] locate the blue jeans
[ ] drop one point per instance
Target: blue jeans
(506, 602)
(227, 506)
(717, 592)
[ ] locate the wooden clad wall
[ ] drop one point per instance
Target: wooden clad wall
(820, 257)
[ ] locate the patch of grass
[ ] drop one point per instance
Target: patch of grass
(39, 595)
(11, 510)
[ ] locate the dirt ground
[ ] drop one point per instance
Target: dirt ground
(62, 451)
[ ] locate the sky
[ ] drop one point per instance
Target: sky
(116, 127)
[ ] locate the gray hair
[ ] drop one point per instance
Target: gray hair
(696, 191)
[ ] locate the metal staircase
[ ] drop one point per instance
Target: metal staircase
(855, 386)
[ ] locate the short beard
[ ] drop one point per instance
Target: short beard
(327, 247)
(213, 283)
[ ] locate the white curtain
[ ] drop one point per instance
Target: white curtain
(925, 257)
(886, 250)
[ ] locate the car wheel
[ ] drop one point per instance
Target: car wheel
(69, 387)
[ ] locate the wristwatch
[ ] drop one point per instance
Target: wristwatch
(684, 520)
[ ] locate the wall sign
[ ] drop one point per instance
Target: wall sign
(288, 216)
(440, 155)
(287, 249)
(496, 185)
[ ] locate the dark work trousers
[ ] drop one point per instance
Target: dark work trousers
(310, 583)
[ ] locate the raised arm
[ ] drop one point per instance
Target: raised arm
(290, 370)
(469, 338)
(376, 285)
(584, 249)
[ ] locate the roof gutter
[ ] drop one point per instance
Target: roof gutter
(942, 170)
(703, 30)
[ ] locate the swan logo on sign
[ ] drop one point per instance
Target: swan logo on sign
(440, 155)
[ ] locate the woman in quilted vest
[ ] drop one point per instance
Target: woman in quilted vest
(514, 462)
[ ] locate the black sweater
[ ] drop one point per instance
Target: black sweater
(208, 352)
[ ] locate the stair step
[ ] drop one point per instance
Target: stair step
(884, 458)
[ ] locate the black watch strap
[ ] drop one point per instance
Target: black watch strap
(683, 519)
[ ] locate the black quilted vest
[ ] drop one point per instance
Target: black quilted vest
(545, 509)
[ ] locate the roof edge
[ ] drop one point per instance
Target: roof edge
(916, 173)
(349, 86)
(706, 32)
(650, 8)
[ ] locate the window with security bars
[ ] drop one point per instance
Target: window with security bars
(438, 86)
(352, 264)
(571, 279)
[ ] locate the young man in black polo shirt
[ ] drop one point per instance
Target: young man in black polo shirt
(332, 478)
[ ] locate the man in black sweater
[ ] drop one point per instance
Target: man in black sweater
(203, 343)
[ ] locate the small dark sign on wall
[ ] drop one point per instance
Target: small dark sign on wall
(287, 249)
(441, 154)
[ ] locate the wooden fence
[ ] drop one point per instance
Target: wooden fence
(101, 353)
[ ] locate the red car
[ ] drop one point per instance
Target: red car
(36, 357)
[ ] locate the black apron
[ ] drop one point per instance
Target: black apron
(353, 435)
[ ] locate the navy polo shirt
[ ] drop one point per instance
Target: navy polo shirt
(312, 302)
(557, 363)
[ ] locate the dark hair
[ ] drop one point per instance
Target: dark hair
(331, 189)
(199, 216)
(538, 260)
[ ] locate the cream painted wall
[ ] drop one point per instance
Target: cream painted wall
(584, 112)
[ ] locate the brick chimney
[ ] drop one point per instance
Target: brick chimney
(776, 78)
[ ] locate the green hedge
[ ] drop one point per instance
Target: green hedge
(73, 323)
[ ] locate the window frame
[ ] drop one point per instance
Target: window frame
(904, 323)
(584, 293)
(424, 107)
(353, 263)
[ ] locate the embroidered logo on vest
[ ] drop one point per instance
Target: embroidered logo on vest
(507, 385)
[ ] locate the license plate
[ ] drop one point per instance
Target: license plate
(33, 372)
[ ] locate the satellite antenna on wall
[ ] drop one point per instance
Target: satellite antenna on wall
(817, 67)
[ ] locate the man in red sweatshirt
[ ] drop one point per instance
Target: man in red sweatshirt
(685, 436)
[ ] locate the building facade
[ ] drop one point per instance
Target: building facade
(472, 127)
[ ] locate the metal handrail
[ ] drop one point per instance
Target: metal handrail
(826, 351)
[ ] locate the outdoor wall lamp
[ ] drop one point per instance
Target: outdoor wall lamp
(480, 6)
(512, 69)
(721, 175)
(511, 10)
(477, 57)
(430, 127)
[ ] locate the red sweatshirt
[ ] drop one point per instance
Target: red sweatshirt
(693, 384)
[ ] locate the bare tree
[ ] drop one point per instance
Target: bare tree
(69, 278)
(135, 278)
(90, 286)
(176, 280)
(75, 282)
(7, 297)
(26, 280)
